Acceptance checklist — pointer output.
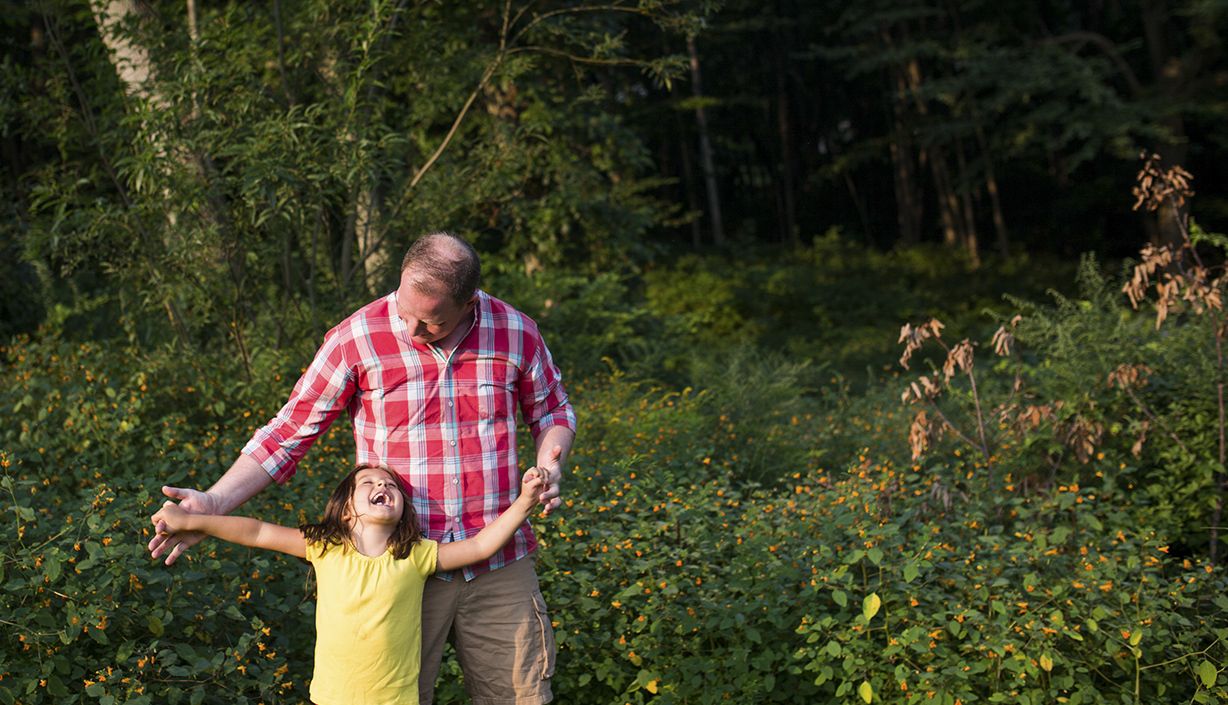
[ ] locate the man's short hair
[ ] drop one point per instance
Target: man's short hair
(444, 264)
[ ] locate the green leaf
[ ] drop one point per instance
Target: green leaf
(840, 597)
(866, 691)
(875, 555)
(1207, 673)
(125, 651)
(910, 572)
(155, 625)
(870, 605)
(52, 567)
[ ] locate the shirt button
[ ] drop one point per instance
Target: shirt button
(455, 480)
(451, 404)
(453, 442)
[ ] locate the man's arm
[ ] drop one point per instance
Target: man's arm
(548, 413)
(320, 395)
(244, 531)
(553, 445)
(242, 481)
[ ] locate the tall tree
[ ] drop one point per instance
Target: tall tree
(272, 158)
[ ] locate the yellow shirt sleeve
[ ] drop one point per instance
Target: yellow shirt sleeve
(425, 556)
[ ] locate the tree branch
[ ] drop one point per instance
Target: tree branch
(1107, 47)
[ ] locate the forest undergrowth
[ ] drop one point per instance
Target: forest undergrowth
(1029, 515)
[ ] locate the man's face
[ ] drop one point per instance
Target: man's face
(429, 318)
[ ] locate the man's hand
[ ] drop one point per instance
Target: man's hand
(552, 475)
(240, 483)
(174, 543)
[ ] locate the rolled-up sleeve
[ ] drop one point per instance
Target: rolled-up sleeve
(543, 401)
(320, 395)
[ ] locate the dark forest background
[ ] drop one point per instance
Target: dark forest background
(895, 330)
(223, 157)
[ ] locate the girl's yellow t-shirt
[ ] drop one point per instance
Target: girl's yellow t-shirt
(369, 624)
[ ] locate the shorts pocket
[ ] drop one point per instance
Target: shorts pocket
(548, 647)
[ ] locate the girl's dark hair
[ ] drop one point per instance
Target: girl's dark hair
(334, 530)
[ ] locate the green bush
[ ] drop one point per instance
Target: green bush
(759, 536)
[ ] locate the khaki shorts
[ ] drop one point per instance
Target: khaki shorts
(501, 632)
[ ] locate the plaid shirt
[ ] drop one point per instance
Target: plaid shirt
(445, 423)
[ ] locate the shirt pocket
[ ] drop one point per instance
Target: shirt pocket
(394, 399)
(496, 402)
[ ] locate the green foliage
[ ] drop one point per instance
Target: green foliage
(1043, 598)
(588, 322)
(1161, 432)
(92, 618)
(664, 563)
(281, 158)
(833, 303)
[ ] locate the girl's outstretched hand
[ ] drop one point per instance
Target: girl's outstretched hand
(531, 486)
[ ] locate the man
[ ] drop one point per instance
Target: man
(431, 376)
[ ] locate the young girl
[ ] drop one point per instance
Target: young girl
(371, 564)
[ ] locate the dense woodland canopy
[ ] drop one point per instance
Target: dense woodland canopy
(220, 157)
(720, 213)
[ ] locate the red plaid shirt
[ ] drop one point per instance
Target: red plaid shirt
(445, 423)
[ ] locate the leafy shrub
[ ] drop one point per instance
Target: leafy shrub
(834, 304)
(759, 537)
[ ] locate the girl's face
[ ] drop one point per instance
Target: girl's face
(377, 497)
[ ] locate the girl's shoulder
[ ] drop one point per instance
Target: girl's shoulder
(423, 555)
(318, 548)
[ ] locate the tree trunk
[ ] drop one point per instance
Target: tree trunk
(786, 186)
(131, 60)
(991, 187)
(956, 231)
(372, 254)
(969, 238)
(135, 69)
(908, 199)
(705, 148)
(948, 201)
(1170, 77)
(860, 204)
(688, 183)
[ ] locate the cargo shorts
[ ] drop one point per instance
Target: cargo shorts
(501, 631)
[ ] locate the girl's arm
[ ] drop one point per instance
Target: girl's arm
(244, 531)
(496, 534)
